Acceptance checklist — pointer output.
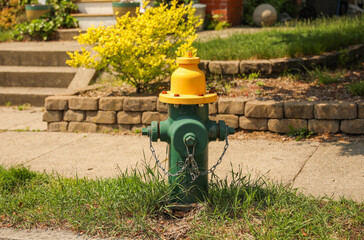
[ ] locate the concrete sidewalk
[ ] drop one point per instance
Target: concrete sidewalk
(334, 169)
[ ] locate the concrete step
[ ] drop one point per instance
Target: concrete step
(87, 20)
(36, 53)
(33, 96)
(95, 6)
(24, 76)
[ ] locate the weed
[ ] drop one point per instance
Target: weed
(219, 85)
(356, 89)
(324, 76)
(8, 104)
(251, 76)
(258, 92)
(137, 130)
(254, 75)
(25, 106)
(343, 58)
(22, 130)
(260, 84)
(299, 133)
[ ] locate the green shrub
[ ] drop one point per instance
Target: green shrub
(215, 22)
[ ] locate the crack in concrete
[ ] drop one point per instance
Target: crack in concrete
(59, 147)
(304, 164)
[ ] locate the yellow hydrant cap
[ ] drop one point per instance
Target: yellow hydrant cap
(188, 84)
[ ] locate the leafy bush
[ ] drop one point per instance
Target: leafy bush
(215, 22)
(140, 49)
(44, 27)
(9, 14)
(38, 29)
(281, 6)
(62, 11)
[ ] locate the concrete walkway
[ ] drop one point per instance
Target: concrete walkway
(333, 169)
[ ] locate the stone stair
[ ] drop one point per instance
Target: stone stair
(94, 12)
(32, 71)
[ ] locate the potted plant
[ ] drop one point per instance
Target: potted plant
(200, 12)
(123, 7)
(36, 8)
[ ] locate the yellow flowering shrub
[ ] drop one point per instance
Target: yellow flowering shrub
(140, 49)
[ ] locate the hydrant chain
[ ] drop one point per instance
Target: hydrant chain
(195, 172)
(159, 163)
(213, 168)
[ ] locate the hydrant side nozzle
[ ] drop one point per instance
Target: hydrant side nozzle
(231, 130)
(154, 131)
(145, 131)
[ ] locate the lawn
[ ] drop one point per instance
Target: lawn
(135, 205)
(305, 38)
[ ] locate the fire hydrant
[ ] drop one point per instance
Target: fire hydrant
(188, 131)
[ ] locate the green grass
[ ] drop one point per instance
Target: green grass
(305, 38)
(357, 89)
(5, 35)
(324, 76)
(135, 205)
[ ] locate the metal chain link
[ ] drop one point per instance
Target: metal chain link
(183, 167)
(190, 160)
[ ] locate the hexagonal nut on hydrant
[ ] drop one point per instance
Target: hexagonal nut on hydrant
(190, 139)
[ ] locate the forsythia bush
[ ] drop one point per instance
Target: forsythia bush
(140, 49)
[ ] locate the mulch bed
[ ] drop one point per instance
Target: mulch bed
(294, 87)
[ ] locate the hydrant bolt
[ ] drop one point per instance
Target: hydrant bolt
(190, 139)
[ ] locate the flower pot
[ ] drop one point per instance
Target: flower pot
(35, 11)
(122, 8)
(201, 13)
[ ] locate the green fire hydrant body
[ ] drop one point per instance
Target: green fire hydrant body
(188, 131)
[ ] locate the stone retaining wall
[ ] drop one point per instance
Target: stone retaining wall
(108, 114)
(279, 65)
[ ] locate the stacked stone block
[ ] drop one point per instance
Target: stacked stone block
(107, 114)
